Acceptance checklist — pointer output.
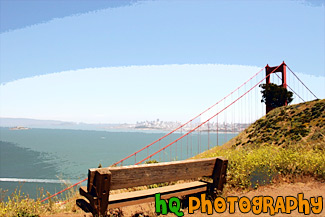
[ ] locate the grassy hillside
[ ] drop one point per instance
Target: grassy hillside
(296, 124)
(287, 142)
(299, 125)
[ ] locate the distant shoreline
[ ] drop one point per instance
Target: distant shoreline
(19, 128)
(184, 131)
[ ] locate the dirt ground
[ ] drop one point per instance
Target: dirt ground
(310, 188)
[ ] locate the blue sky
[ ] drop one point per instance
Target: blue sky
(45, 40)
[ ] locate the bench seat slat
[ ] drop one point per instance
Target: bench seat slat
(144, 196)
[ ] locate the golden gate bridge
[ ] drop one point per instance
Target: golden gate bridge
(228, 116)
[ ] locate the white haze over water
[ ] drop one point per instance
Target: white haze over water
(32, 180)
(130, 94)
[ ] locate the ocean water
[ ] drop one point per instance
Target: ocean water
(36, 159)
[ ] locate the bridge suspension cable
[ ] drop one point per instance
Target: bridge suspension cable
(302, 82)
(292, 89)
(189, 150)
(192, 130)
(181, 126)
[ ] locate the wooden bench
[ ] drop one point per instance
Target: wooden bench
(102, 180)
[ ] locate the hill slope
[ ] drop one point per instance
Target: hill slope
(300, 125)
(289, 141)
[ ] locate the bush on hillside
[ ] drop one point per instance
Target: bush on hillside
(275, 95)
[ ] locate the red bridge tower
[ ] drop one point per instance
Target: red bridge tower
(281, 68)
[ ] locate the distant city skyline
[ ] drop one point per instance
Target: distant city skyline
(151, 125)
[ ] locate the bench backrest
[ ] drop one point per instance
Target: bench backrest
(147, 174)
(102, 180)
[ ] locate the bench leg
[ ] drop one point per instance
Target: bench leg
(219, 175)
(97, 192)
(103, 182)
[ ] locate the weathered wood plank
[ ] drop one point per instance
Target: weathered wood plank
(83, 192)
(91, 176)
(144, 196)
(103, 182)
(132, 176)
(219, 174)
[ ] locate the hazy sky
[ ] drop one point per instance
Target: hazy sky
(122, 61)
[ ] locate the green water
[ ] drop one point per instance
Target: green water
(40, 158)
